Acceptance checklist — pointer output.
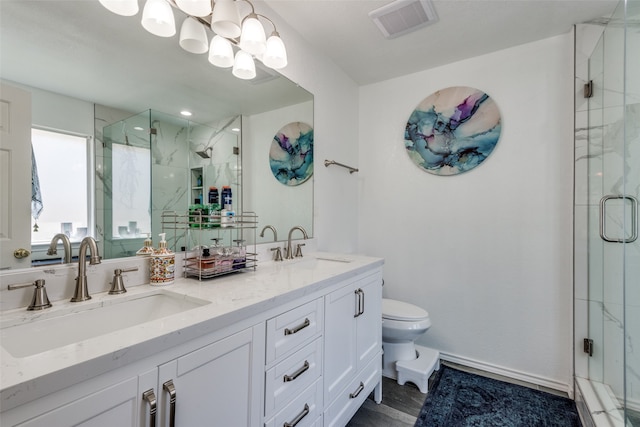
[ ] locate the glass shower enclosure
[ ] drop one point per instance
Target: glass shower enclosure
(607, 248)
(148, 164)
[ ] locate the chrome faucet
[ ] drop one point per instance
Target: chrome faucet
(53, 247)
(289, 251)
(82, 292)
(272, 228)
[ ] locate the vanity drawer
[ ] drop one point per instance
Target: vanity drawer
(352, 396)
(288, 378)
(306, 409)
(294, 328)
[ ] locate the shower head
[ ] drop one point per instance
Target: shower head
(205, 154)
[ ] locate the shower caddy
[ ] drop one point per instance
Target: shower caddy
(198, 226)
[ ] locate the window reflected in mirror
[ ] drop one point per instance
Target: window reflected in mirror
(60, 203)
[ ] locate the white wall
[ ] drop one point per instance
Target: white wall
(264, 194)
(335, 138)
(488, 253)
(54, 111)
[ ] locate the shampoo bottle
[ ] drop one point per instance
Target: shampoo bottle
(214, 207)
(227, 214)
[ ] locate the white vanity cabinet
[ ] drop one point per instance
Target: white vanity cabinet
(94, 403)
(352, 346)
(293, 367)
(306, 354)
(215, 385)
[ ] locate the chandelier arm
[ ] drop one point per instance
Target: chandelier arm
(275, 30)
(206, 20)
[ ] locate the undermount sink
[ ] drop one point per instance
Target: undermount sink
(318, 262)
(333, 259)
(47, 331)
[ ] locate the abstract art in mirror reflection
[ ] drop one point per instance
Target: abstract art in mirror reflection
(291, 154)
(452, 130)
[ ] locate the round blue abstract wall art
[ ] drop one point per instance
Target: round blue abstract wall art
(291, 154)
(453, 130)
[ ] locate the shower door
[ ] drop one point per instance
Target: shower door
(613, 192)
(632, 188)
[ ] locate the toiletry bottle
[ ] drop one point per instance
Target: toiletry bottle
(226, 197)
(207, 261)
(162, 265)
(147, 249)
(216, 253)
(239, 255)
(195, 214)
(227, 214)
(214, 207)
(225, 259)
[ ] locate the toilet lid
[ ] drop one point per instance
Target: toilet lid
(398, 310)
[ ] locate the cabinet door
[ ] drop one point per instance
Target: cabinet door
(217, 385)
(341, 307)
(116, 405)
(369, 323)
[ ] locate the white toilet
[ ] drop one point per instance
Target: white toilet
(402, 360)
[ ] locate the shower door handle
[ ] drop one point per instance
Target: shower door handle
(634, 219)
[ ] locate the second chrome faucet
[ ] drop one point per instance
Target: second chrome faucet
(82, 291)
(289, 251)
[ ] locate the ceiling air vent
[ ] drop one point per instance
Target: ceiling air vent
(403, 16)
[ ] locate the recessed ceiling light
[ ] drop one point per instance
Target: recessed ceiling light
(186, 113)
(138, 128)
(235, 129)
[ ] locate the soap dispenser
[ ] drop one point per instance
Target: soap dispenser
(147, 249)
(162, 265)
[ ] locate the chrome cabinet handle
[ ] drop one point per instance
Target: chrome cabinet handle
(296, 374)
(150, 397)
(299, 418)
(360, 293)
(170, 388)
(634, 219)
(357, 392)
(298, 328)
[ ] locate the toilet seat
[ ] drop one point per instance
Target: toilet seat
(399, 310)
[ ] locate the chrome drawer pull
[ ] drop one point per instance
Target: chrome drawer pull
(150, 397)
(298, 328)
(360, 295)
(299, 418)
(357, 392)
(170, 388)
(297, 373)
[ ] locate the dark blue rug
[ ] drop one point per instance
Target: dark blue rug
(461, 399)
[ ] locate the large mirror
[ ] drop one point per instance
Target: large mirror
(70, 53)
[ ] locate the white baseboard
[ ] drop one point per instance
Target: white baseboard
(510, 373)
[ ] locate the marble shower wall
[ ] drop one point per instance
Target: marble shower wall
(607, 161)
(174, 155)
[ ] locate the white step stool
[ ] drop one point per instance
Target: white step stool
(419, 370)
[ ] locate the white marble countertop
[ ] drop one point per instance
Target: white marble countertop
(230, 298)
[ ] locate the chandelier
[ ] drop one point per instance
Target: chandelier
(247, 35)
